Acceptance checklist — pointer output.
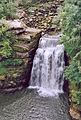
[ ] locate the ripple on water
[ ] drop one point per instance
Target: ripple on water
(28, 105)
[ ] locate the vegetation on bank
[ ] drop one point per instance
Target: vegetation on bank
(32, 3)
(7, 11)
(70, 21)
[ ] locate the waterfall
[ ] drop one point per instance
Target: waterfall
(48, 66)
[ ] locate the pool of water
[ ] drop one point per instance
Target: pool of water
(28, 105)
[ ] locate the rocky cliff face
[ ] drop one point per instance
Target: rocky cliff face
(42, 15)
(18, 67)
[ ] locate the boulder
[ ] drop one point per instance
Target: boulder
(15, 24)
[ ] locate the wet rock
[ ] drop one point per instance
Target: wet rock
(66, 86)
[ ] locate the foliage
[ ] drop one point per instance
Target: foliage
(12, 62)
(29, 3)
(3, 70)
(70, 22)
(73, 73)
(33, 3)
(76, 97)
(7, 9)
(7, 63)
(6, 41)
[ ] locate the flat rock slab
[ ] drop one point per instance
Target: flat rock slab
(15, 24)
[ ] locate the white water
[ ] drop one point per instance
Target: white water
(48, 66)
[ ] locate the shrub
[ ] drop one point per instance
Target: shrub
(70, 22)
(7, 9)
(12, 62)
(6, 41)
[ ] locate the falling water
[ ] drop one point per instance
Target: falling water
(48, 66)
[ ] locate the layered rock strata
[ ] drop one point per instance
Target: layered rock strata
(18, 67)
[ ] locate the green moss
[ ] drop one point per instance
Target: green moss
(9, 63)
(19, 48)
(12, 62)
(3, 69)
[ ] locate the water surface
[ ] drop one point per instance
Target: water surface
(28, 105)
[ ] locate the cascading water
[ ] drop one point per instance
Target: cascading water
(48, 66)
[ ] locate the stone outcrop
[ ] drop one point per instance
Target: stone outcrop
(41, 15)
(19, 66)
(75, 114)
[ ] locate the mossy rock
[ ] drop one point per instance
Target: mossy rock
(3, 69)
(11, 62)
(19, 48)
(23, 41)
(24, 38)
(2, 77)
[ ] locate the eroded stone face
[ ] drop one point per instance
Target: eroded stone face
(19, 66)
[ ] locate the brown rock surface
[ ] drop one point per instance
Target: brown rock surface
(75, 114)
(18, 70)
(41, 15)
